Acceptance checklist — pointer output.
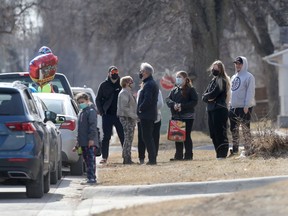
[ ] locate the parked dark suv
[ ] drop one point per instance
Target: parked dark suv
(24, 152)
(60, 82)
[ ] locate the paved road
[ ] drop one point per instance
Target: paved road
(63, 199)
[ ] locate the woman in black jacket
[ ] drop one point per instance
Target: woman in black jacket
(217, 97)
(181, 101)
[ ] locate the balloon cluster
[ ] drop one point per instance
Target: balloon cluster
(43, 67)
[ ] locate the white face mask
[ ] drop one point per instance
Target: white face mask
(179, 81)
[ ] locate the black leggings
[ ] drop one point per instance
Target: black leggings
(217, 121)
(188, 143)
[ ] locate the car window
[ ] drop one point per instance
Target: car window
(57, 86)
(41, 107)
(54, 105)
(26, 80)
(11, 104)
(30, 103)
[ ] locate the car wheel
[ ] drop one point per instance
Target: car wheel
(77, 168)
(59, 169)
(54, 176)
(35, 188)
(54, 173)
(47, 182)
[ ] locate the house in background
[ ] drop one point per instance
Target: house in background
(280, 60)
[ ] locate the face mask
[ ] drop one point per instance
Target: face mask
(114, 76)
(140, 75)
(83, 105)
(215, 72)
(179, 81)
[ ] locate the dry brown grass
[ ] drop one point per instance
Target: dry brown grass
(270, 201)
(268, 143)
(204, 167)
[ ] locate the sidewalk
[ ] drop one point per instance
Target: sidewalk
(103, 198)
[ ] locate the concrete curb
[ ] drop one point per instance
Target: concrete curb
(179, 189)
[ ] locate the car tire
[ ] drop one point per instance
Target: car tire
(59, 168)
(35, 188)
(47, 182)
(54, 175)
(76, 169)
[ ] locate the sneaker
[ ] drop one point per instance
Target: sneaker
(103, 161)
(141, 161)
(242, 155)
(221, 158)
(89, 182)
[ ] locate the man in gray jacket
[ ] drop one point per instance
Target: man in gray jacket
(241, 103)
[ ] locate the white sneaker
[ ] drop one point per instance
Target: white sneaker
(242, 155)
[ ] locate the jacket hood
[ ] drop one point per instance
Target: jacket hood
(245, 64)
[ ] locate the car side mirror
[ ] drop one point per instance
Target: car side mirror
(50, 116)
(60, 119)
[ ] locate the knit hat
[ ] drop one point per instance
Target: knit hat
(112, 68)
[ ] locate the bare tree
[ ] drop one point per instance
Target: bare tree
(89, 36)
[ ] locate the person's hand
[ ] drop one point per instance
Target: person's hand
(91, 143)
(179, 107)
(74, 149)
(176, 106)
(246, 110)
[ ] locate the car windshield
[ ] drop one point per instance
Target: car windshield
(11, 104)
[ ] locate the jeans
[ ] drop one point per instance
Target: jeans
(108, 121)
(89, 158)
(238, 117)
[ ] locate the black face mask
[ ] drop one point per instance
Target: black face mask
(140, 75)
(114, 76)
(215, 72)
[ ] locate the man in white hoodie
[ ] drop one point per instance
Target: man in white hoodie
(241, 103)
